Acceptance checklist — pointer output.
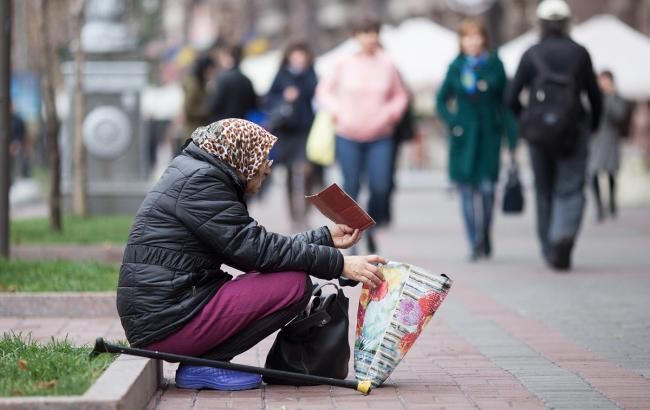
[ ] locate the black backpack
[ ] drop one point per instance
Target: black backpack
(551, 119)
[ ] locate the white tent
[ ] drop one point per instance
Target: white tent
(261, 70)
(511, 52)
(612, 45)
(421, 49)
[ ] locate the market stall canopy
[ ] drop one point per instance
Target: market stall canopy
(613, 46)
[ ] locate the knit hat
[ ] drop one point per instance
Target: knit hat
(553, 10)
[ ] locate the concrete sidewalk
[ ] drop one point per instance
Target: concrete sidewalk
(511, 334)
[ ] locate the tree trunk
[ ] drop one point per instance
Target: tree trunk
(5, 119)
(79, 194)
(52, 123)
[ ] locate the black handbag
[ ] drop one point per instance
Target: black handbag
(513, 197)
(316, 341)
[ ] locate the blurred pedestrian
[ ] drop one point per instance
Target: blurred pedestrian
(19, 147)
(291, 114)
(233, 95)
(556, 72)
(195, 104)
(642, 130)
(476, 83)
(605, 152)
(364, 95)
(405, 130)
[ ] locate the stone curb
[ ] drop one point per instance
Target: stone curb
(128, 383)
(58, 304)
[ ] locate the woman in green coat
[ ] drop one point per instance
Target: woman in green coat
(475, 85)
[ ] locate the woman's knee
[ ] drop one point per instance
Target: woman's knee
(297, 285)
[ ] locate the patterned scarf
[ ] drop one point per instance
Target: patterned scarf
(239, 143)
(468, 77)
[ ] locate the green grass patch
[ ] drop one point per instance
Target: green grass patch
(54, 369)
(56, 276)
(76, 230)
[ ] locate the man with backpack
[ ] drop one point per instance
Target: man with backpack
(556, 72)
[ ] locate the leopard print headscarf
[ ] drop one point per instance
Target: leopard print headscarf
(239, 143)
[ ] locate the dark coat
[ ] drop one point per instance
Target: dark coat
(478, 123)
(191, 222)
(302, 114)
(233, 96)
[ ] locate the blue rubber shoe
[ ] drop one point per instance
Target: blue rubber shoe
(203, 377)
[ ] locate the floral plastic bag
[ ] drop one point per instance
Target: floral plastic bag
(391, 317)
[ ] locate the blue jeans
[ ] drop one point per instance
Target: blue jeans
(478, 219)
(372, 161)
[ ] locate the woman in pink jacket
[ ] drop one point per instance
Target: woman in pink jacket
(364, 95)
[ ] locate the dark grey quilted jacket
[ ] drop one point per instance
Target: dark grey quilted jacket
(193, 221)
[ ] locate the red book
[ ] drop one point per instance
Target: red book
(339, 207)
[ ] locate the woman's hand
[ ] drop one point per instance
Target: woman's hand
(291, 93)
(362, 269)
(343, 236)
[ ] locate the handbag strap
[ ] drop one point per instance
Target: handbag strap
(318, 290)
(314, 317)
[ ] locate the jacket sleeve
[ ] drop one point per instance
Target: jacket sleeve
(397, 98)
(498, 83)
(320, 236)
(496, 79)
(593, 92)
(253, 102)
(194, 107)
(213, 212)
(274, 96)
(217, 100)
(521, 79)
(312, 82)
(445, 93)
(615, 109)
(511, 131)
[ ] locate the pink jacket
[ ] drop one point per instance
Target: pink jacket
(365, 96)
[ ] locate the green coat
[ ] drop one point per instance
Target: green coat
(477, 123)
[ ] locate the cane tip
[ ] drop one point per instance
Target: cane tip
(100, 347)
(364, 387)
